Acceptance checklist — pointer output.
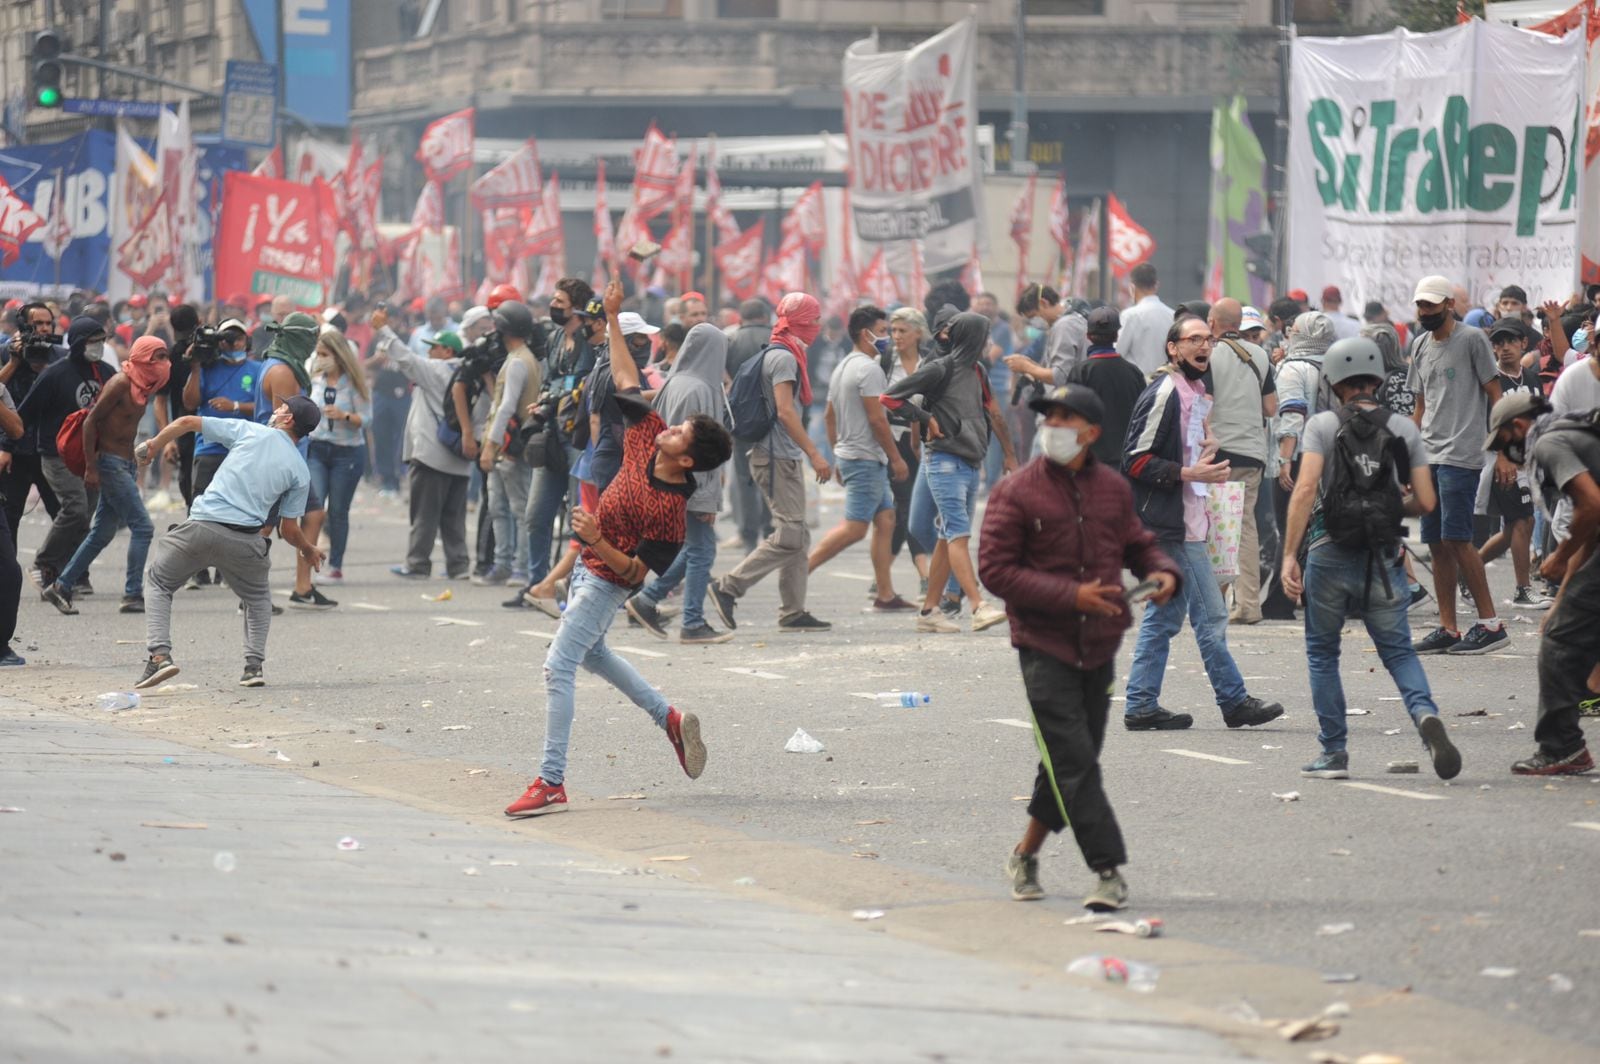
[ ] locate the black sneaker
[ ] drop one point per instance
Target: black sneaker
(62, 602)
(1157, 719)
(1446, 758)
(1546, 764)
(723, 603)
(156, 670)
(1464, 593)
(950, 607)
(311, 600)
(517, 602)
(1251, 713)
(1438, 641)
(131, 604)
(703, 634)
(252, 677)
(83, 587)
(1418, 594)
(1481, 640)
(803, 622)
(649, 618)
(1328, 766)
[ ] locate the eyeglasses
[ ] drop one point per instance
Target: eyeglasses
(1202, 340)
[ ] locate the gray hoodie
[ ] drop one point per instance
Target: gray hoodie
(1300, 375)
(694, 386)
(956, 381)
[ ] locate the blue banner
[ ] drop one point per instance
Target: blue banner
(86, 163)
(316, 68)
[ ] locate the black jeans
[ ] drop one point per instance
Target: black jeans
(902, 502)
(1568, 653)
(1069, 724)
(10, 588)
(27, 471)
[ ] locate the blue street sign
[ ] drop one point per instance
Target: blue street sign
(317, 60)
(83, 105)
(250, 105)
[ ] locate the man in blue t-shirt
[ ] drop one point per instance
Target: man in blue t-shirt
(263, 473)
(225, 390)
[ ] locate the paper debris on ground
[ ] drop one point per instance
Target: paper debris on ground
(624, 797)
(173, 825)
(1328, 930)
(1287, 796)
(801, 743)
(477, 772)
(456, 727)
(673, 857)
(243, 746)
(867, 914)
(1498, 973)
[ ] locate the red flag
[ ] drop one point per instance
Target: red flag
(605, 237)
(502, 239)
(721, 217)
(1088, 257)
(58, 234)
(806, 220)
(972, 272)
(543, 234)
(1022, 225)
(1566, 22)
(446, 148)
(878, 282)
(272, 165)
(1129, 243)
(1061, 216)
(1461, 13)
(274, 233)
(739, 260)
(919, 279)
(655, 172)
(516, 182)
(429, 211)
(144, 256)
(786, 271)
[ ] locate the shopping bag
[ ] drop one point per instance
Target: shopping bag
(1224, 526)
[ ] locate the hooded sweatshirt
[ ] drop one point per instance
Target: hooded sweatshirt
(66, 386)
(1300, 376)
(695, 387)
(953, 391)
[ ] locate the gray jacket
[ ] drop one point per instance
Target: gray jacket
(694, 386)
(432, 378)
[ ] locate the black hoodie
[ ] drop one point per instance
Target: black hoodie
(953, 390)
(65, 386)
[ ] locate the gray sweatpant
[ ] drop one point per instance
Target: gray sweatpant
(72, 519)
(244, 560)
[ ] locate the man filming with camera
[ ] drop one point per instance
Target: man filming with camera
(31, 350)
(222, 386)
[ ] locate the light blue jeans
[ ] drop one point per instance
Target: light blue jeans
(958, 486)
(120, 504)
(581, 640)
(1336, 586)
(1200, 599)
(692, 568)
(509, 484)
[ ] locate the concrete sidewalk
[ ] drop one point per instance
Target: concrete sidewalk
(256, 937)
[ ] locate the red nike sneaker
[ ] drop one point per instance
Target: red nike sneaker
(683, 730)
(539, 799)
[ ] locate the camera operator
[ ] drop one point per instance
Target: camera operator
(191, 345)
(222, 385)
(30, 350)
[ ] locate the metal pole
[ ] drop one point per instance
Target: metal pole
(1018, 134)
(105, 44)
(283, 81)
(1278, 194)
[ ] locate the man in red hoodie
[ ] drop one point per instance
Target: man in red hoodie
(1056, 537)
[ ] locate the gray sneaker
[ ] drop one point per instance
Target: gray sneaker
(1024, 872)
(1329, 766)
(1110, 892)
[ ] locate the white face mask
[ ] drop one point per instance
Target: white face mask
(94, 352)
(1060, 445)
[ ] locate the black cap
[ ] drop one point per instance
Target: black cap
(593, 309)
(307, 415)
(1514, 326)
(1077, 399)
(1104, 320)
(1514, 291)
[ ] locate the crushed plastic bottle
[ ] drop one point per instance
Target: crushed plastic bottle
(1135, 976)
(801, 743)
(117, 701)
(224, 862)
(905, 699)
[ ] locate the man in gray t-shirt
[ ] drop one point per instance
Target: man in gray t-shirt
(1339, 577)
(1454, 377)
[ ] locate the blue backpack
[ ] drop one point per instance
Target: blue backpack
(752, 409)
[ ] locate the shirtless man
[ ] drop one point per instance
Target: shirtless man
(109, 468)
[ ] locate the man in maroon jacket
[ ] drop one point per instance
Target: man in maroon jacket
(1056, 538)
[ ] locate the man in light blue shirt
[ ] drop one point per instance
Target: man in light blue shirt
(263, 479)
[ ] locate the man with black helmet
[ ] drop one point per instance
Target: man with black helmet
(1355, 463)
(516, 388)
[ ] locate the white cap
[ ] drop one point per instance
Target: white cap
(473, 316)
(232, 323)
(1434, 289)
(328, 313)
(1250, 318)
(632, 323)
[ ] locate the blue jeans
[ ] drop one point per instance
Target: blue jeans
(581, 640)
(866, 489)
(335, 474)
(119, 505)
(922, 519)
(1451, 520)
(692, 568)
(388, 437)
(953, 487)
(509, 484)
(1200, 599)
(1336, 585)
(544, 505)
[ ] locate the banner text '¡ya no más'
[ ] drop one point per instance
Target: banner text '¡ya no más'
(1462, 163)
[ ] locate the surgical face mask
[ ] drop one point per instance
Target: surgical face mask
(882, 344)
(1034, 332)
(1192, 372)
(1430, 322)
(1580, 340)
(1037, 322)
(1059, 444)
(94, 352)
(559, 315)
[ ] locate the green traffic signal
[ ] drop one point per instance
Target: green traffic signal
(47, 49)
(48, 97)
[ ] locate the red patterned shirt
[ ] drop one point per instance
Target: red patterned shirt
(639, 513)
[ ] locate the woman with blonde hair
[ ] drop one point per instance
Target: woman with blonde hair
(338, 452)
(907, 330)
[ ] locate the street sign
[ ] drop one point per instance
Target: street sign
(250, 105)
(83, 105)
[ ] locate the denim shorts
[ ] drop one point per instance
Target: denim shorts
(1451, 520)
(866, 489)
(954, 487)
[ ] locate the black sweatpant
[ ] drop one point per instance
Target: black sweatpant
(27, 471)
(1069, 724)
(1568, 653)
(10, 587)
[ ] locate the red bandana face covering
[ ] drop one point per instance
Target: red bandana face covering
(145, 375)
(799, 322)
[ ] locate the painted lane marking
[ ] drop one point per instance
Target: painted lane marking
(1397, 792)
(1207, 757)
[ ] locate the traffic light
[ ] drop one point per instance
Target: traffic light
(47, 47)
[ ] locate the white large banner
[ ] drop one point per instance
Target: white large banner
(912, 122)
(1454, 153)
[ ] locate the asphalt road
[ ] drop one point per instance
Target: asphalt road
(1440, 881)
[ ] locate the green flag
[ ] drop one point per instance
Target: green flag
(1238, 205)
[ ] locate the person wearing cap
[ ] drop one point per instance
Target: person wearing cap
(1338, 577)
(437, 475)
(108, 435)
(1142, 339)
(1562, 456)
(1505, 494)
(605, 417)
(1345, 327)
(1056, 536)
(1170, 456)
(1452, 371)
(1512, 302)
(1252, 326)
(224, 389)
(516, 388)
(262, 479)
(1113, 378)
(436, 319)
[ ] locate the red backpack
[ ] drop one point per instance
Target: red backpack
(69, 437)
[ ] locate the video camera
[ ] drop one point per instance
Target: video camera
(486, 354)
(204, 346)
(37, 348)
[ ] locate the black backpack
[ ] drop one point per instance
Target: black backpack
(751, 409)
(1362, 509)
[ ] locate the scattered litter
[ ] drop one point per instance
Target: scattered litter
(801, 743)
(477, 772)
(624, 797)
(1354, 712)
(1086, 918)
(865, 854)
(1390, 698)
(1518, 726)
(867, 914)
(1474, 713)
(426, 703)
(470, 872)
(131, 642)
(173, 825)
(444, 596)
(281, 756)
(478, 642)
(117, 701)
(1382, 1058)
(1265, 747)
(1340, 977)
(1402, 768)
(1558, 983)
(1151, 927)
(243, 746)
(233, 939)
(175, 688)
(457, 622)
(224, 862)
(1499, 973)
(118, 857)
(1391, 731)
(1329, 930)
(1287, 796)
(456, 727)
(1588, 932)
(12, 809)
(502, 864)
(1312, 1028)
(1483, 787)
(1132, 974)
(674, 857)
(745, 881)
(1339, 853)
(869, 823)
(347, 844)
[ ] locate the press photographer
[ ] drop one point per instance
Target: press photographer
(191, 345)
(33, 347)
(221, 384)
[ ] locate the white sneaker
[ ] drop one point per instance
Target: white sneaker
(936, 622)
(986, 617)
(328, 577)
